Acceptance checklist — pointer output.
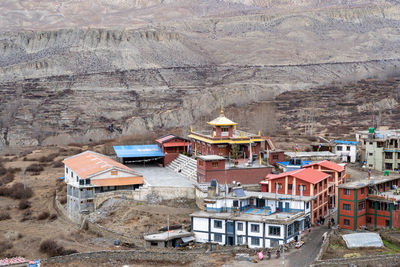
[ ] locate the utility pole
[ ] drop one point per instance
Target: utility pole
(25, 179)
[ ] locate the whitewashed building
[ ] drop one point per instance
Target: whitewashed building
(89, 173)
(252, 218)
(346, 150)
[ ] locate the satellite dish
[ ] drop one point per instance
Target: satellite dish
(260, 196)
(233, 182)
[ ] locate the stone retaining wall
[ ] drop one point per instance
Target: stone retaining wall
(128, 256)
(142, 194)
(365, 261)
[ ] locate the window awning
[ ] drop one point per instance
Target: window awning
(187, 239)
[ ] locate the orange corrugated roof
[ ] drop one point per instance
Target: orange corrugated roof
(327, 164)
(309, 175)
(88, 163)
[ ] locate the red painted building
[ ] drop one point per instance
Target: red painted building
(211, 167)
(337, 174)
(306, 182)
(369, 204)
(222, 135)
(172, 145)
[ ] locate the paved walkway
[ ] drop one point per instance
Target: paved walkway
(295, 257)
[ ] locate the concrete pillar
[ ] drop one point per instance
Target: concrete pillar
(286, 185)
(294, 187)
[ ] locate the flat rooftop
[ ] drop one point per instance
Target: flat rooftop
(366, 182)
(159, 176)
(168, 235)
(277, 217)
(322, 154)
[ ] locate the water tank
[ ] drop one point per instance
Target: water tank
(371, 130)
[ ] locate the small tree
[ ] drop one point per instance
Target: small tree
(235, 152)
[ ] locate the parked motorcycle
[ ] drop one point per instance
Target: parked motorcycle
(278, 253)
(268, 255)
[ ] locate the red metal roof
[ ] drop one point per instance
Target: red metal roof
(308, 175)
(165, 138)
(328, 165)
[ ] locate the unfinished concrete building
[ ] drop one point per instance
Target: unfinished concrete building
(380, 149)
(90, 173)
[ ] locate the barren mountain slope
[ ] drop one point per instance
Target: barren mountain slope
(68, 85)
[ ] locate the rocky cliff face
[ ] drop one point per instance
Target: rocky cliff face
(69, 85)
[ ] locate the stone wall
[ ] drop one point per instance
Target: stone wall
(142, 194)
(125, 256)
(366, 261)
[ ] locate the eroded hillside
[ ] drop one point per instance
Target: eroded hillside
(69, 85)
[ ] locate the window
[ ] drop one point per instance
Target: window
(255, 241)
(279, 186)
(217, 224)
(388, 166)
(87, 181)
(77, 179)
(308, 205)
(240, 240)
(362, 191)
(274, 230)
(275, 157)
(348, 148)
(114, 172)
(224, 129)
(255, 228)
(346, 192)
(72, 174)
(371, 154)
(371, 204)
(339, 148)
(66, 169)
(346, 207)
(215, 164)
(369, 220)
(290, 229)
(240, 226)
(201, 163)
(361, 205)
(81, 182)
(290, 186)
(388, 155)
(346, 222)
(218, 237)
(387, 223)
(371, 165)
(370, 143)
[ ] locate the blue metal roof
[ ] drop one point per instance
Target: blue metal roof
(303, 162)
(138, 151)
(346, 142)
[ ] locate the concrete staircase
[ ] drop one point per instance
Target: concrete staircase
(184, 166)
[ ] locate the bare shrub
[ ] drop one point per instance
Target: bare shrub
(35, 168)
(2, 170)
(4, 215)
(43, 216)
(63, 200)
(24, 204)
(51, 248)
(48, 158)
(53, 217)
(4, 245)
(16, 191)
(58, 164)
(8, 178)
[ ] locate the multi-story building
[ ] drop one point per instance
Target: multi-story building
(260, 220)
(305, 182)
(89, 173)
(370, 203)
(223, 135)
(337, 174)
(380, 149)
